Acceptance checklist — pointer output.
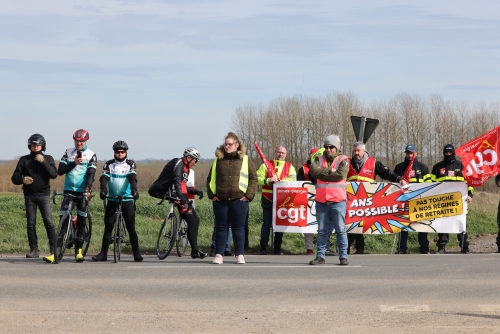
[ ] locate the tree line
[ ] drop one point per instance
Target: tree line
(301, 122)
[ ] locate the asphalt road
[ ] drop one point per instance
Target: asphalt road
(377, 293)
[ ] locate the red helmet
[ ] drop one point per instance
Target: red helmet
(313, 150)
(81, 135)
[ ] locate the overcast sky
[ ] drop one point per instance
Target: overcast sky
(163, 75)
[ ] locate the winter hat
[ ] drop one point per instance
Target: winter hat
(449, 148)
(332, 140)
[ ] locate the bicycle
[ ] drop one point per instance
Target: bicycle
(119, 236)
(173, 230)
(67, 229)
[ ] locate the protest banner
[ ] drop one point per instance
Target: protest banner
(376, 208)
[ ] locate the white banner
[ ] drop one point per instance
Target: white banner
(376, 208)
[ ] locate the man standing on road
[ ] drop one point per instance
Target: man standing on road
(34, 172)
(364, 168)
(330, 172)
(79, 164)
(419, 173)
(276, 170)
(450, 170)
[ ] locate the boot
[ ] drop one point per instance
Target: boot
(263, 250)
(137, 255)
(102, 256)
(198, 254)
(49, 259)
(79, 255)
(212, 252)
(498, 245)
(441, 250)
(32, 254)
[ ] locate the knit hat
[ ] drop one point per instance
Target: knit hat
(332, 140)
(449, 148)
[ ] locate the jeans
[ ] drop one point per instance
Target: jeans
(230, 213)
(422, 241)
(265, 231)
(32, 201)
(330, 217)
(228, 241)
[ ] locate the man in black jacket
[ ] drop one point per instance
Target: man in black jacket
(34, 172)
(419, 173)
(450, 170)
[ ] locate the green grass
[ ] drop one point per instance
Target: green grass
(149, 215)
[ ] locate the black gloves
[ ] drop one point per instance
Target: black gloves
(183, 199)
(103, 194)
(199, 193)
(135, 194)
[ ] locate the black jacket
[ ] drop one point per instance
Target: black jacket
(450, 172)
(40, 172)
(381, 171)
(171, 178)
(421, 170)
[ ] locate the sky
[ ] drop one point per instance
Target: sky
(165, 75)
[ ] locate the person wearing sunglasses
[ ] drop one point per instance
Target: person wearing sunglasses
(270, 172)
(330, 172)
(364, 168)
(79, 164)
(120, 177)
(173, 182)
(231, 184)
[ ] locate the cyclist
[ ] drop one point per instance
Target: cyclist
(173, 182)
(34, 172)
(79, 164)
(119, 175)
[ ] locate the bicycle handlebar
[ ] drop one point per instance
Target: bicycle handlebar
(119, 198)
(55, 193)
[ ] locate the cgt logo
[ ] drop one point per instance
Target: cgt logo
(483, 160)
(291, 206)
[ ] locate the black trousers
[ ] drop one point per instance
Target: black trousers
(357, 239)
(444, 237)
(42, 202)
(128, 212)
(193, 223)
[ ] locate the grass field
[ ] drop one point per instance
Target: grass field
(13, 239)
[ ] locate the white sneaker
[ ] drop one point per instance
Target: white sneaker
(218, 259)
(240, 259)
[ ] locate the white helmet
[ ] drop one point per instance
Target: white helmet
(192, 152)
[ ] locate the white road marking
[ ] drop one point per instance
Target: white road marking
(404, 308)
(232, 265)
(489, 308)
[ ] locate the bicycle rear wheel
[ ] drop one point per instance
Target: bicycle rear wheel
(62, 236)
(181, 241)
(88, 235)
(118, 237)
(166, 237)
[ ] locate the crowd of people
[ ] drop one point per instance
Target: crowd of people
(231, 184)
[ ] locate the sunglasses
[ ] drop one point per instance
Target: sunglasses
(120, 152)
(329, 147)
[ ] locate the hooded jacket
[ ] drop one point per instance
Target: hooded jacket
(228, 174)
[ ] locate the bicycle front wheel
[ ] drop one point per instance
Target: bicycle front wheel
(118, 237)
(62, 236)
(88, 235)
(166, 237)
(181, 241)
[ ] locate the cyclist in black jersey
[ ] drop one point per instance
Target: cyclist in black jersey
(173, 181)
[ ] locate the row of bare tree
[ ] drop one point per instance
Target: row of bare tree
(301, 122)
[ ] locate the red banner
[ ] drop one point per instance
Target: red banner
(291, 206)
(480, 157)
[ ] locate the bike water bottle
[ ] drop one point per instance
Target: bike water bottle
(75, 222)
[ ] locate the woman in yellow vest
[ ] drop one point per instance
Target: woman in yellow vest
(231, 184)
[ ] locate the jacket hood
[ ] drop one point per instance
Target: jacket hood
(219, 152)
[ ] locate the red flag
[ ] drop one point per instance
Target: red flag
(409, 170)
(270, 172)
(480, 157)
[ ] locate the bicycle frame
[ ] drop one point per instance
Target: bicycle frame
(119, 232)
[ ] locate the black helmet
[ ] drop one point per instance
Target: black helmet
(38, 140)
(192, 152)
(120, 145)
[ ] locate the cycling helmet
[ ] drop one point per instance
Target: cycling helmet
(81, 135)
(120, 145)
(192, 152)
(38, 140)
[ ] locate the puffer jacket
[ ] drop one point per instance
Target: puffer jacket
(228, 175)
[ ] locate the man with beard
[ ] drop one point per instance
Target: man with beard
(364, 168)
(450, 170)
(419, 173)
